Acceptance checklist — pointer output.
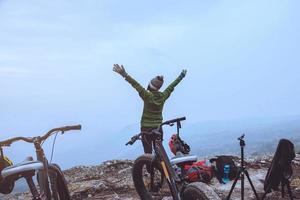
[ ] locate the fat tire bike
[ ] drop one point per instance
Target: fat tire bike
(50, 179)
(157, 167)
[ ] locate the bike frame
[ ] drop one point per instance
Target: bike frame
(161, 156)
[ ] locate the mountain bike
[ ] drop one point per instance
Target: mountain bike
(151, 170)
(50, 179)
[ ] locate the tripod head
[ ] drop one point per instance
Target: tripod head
(242, 141)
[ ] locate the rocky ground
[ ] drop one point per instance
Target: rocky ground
(112, 180)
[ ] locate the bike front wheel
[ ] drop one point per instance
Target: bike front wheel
(58, 183)
(148, 178)
(199, 191)
(56, 187)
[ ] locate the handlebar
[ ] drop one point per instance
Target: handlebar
(134, 139)
(62, 129)
(69, 128)
(38, 138)
(12, 140)
(170, 122)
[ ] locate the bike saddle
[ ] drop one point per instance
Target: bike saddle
(183, 159)
(25, 166)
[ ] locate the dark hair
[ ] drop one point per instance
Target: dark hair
(149, 88)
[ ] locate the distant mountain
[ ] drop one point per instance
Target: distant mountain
(261, 136)
(216, 137)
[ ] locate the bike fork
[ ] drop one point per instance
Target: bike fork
(32, 187)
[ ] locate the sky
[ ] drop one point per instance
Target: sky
(242, 60)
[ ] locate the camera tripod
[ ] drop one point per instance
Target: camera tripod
(241, 173)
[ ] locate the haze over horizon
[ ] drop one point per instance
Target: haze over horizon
(56, 57)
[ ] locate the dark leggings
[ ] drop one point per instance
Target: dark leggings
(147, 139)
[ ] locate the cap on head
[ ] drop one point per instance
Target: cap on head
(156, 83)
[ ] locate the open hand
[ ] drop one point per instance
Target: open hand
(119, 69)
(183, 73)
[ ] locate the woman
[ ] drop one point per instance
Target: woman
(154, 101)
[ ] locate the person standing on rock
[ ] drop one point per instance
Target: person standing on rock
(154, 101)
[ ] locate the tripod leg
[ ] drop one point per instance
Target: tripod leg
(252, 186)
(233, 185)
(242, 185)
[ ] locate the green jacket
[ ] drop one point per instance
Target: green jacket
(153, 102)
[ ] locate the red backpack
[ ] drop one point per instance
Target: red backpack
(198, 171)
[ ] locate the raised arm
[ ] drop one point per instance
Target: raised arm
(140, 89)
(171, 87)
